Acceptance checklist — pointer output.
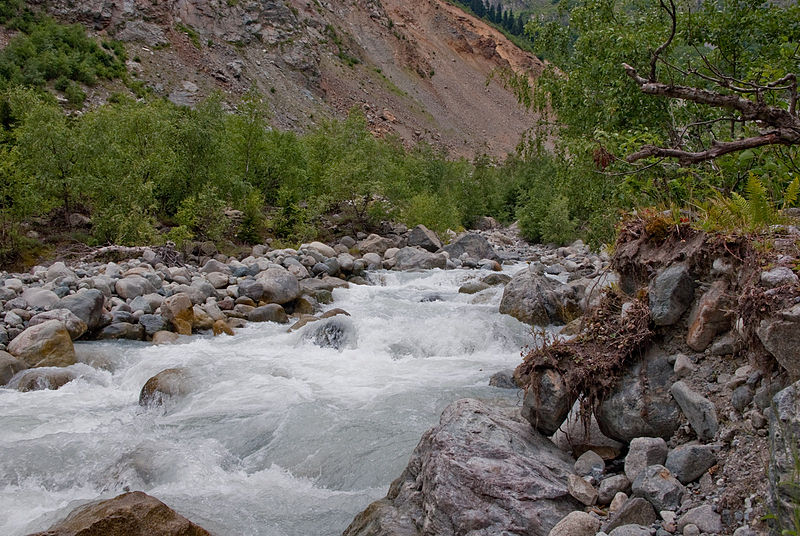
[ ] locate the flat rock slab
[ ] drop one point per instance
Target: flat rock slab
(477, 472)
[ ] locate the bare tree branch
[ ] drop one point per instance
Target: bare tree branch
(717, 149)
(672, 12)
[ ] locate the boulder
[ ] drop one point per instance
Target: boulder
(178, 309)
(9, 366)
(375, 244)
(709, 317)
(581, 490)
(122, 330)
(781, 338)
(40, 298)
(153, 324)
(633, 511)
(590, 464)
(425, 238)
(323, 249)
(165, 386)
(699, 411)
(251, 288)
(217, 280)
(75, 326)
(632, 530)
(268, 313)
(45, 345)
(213, 266)
(778, 277)
(474, 245)
(703, 517)
(280, 286)
(644, 452)
(134, 285)
(476, 472)
(640, 405)
(86, 304)
(659, 487)
(57, 272)
(671, 293)
(472, 287)
(503, 379)
(412, 258)
(784, 431)
(220, 327)
(43, 378)
(690, 462)
(540, 301)
(609, 487)
(165, 337)
(130, 514)
(338, 332)
(547, 401)
(576, 524)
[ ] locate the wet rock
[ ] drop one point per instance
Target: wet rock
(540, 301)
(473, 244)
(710, 317)
(689, 462)
(165, 337)
(547, 401)
(178, 310)
(503, 379)
(268, 313)
(86, 304)
(425, 238)
(609, 487)
(644, 452)
(496, 279)
(659, 487)
(784, 431)
(412, 258)
(703, 517)
(43, 378)
(165, 386)
(40, 298)
(122, 330)
(634, 511)
(75, 326)
(338, 333)
(132, 286)
(129, 514)
(700, 412)
(45, 345)
(671, 293)
(220, 327)
(640, 405)
(476, 472)
(9, 366)
(581, 490)
(576, 524)
(472, 287)
(280, 286)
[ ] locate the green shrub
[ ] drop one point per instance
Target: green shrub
(203, 214)
(557, 227)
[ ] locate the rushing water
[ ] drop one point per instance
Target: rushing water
(278, 436)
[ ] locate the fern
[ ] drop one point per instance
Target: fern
(792, 191)
(761, 210)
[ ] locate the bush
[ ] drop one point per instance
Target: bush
(203, 215)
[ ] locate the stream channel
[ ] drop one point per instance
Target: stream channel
(279, 436)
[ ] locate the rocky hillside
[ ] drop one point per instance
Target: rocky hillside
(419, 71)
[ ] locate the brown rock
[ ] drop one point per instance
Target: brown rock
(45, 345)
(164, 337)
(178, 309)
(710, 317)
(9, 365)
(182, 327)
(166, 384)
(129, 514)
(220, 327)
(39, 379)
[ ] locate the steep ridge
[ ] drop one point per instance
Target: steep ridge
(419, 71)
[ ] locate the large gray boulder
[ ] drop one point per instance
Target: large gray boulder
(412, 258)
(540, 301)
(689, 462)
(478, 472)
(280, 286)
(781, 337)
(473, 245)
(375, 244)
(86, 304)
(784, 431)
(132, 286)
(45, 345)
(671, 293)
(640, 405)
(425, 238)
(40, 298)
(659, 487)
(547, 401)
(699, 411)
(75, 326)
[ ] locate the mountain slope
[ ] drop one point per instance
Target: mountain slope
(419, 71)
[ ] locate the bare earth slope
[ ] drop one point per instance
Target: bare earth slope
(418, 69)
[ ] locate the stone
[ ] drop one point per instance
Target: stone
(659, 487)
(135, 285)
(619, 501)
(337, 332)
(581, 490)
(165, 386)
(251, 288)
(644, 452)
(40, 298)
(691, 530)
(218, 280)
(778, 277)
(280, 286)
(423, 237)
(670, 294)
(220, 327)
(503, 379)
(474, 245)
(214, 266)
(75, 326)
(683, 366)
(375, 244)
(703, 517)
(784, 431)
(689, 462)
(573, 436)
(590, 464)
(547, 401)
(496, 279)
(540, 301)
(322, 249)
(635, 511)
(610, 487)
(640, 405)
(632, 530)
(268, 313)
(45, 345)
(43, 378)
(130, 514)
(153, 324)
(478, 471)
(178, 309)
(58, 271)
(86, 304)
(122, 330)
(781, 338)
(576, 524)
(412, 258)
(699, 411)
(139, 303)
(9, 366)
(472, 287)
(709, 317)
(165, 337)
(742, 397)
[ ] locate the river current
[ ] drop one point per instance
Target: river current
(279, 436)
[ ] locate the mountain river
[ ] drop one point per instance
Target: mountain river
(279, 436)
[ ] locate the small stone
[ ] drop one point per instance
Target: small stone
(691, 530)
(668, 518)
(683, 366)
(644, 452)
(700, 411)
(742, 397)
(590, 464)
(689, 462)
(581, 490)
(703, 517)
(610, 487)
(659, 487)
(576, 524)
(618, 501)
(635, 511)
(778, 277)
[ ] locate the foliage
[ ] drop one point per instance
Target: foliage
(752, 211)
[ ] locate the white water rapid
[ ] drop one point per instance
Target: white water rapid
(279, 436)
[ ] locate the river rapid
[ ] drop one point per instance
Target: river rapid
(278, 436)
